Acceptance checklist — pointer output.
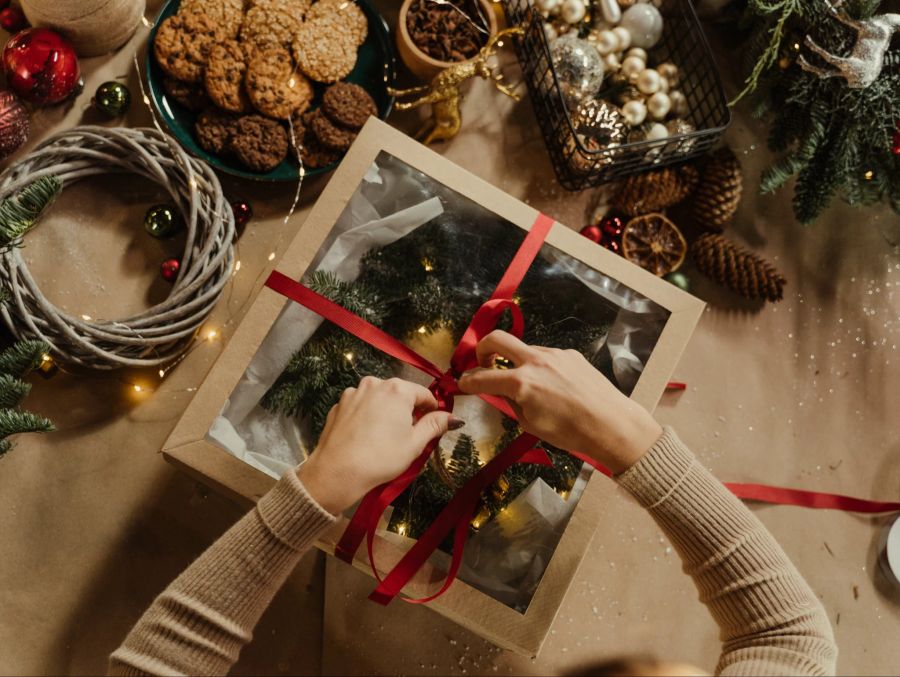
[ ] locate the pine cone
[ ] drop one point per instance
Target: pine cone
(654, 191)
(737, 268)
(719, 193)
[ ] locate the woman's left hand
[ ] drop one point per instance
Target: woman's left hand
(370, 437)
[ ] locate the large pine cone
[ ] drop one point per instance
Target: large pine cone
(655, 191)
(737, 268)
(719, 192)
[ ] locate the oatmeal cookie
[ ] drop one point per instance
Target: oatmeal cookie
(324, 49)
(266, 28)
(348, 12)
(228, 14)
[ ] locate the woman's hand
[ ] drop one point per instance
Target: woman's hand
(559, 397)
(370, 437)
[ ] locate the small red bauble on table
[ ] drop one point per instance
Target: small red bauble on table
(607, 233)
(12, 19)
(169, 269)
(243, 212)
(13, 123)
(41, 66)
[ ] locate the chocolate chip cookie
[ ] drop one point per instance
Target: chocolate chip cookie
(259, 143)
(227, 14)
(348, 105)
(182, 45)
(214, 129)
(329, 134)
(192, 97)
(274, 85)
(225, 76)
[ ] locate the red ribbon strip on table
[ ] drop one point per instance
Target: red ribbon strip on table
(457, 514)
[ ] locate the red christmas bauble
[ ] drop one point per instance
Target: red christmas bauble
(13, 123)
(243, 212)
(41, 66)
(612, 226)
(12, 19)
(592, 232)
(169, 269)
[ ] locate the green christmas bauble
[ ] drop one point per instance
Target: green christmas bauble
(162, 221)
(680, 280)
(112, 98)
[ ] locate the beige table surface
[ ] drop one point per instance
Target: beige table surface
(93, 522)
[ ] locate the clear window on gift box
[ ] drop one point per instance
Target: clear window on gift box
(417, 259)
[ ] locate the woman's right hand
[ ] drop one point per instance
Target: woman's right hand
(559, 396)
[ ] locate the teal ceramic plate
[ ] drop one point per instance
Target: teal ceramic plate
(374, 70)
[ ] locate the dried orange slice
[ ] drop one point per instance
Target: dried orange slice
(654, 243)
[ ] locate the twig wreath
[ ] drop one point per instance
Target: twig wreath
(157, 335)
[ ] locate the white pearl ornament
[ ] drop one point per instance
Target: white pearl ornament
(634, 112)
(607, 42)
(657, 132)
(679, 103)
(648, 81)
(610, 11)
(659, 105)
(636, 51)
(632, 66)
(645, 24)
(624, 37)
(547, 6)
(611, 63)
(572, 11)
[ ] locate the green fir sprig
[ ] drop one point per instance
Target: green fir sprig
(836, 141)
(20, 212)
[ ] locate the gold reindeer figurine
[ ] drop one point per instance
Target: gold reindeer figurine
(443, 92)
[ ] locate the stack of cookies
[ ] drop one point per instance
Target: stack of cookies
(249, 73)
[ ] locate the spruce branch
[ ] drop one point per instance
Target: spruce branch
(13, 421)
(12, 391)
(20, 212)
(22, 357)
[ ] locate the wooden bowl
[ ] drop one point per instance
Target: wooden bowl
(423, 66)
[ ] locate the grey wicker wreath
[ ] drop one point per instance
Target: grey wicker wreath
(157, 335)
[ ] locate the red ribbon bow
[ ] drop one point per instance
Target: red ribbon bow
(458, 513)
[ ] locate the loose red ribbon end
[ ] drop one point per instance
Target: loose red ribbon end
(676, 385)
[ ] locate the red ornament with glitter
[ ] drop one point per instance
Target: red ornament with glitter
(41, 66)
(13, 123)
(169, 269)
(607, 233)
(12, 19)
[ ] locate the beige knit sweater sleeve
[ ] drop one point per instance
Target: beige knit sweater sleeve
(771, 622)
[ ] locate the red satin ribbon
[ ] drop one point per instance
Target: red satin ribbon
(458, 513)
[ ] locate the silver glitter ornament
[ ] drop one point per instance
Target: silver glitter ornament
(579, 68)
(864, 63)
(682, 146)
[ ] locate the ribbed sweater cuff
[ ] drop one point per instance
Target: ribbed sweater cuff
(665, 465)
(291, 514)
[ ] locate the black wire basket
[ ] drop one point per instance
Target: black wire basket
(578, 166)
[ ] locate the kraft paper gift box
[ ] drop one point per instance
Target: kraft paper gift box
(518, 567)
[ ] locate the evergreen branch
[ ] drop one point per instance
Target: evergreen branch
(22, 357)
(12, 391)
(13, 422)
(785, 9)
(20, 212)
